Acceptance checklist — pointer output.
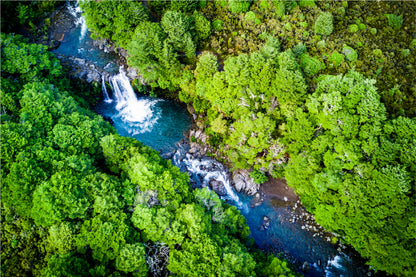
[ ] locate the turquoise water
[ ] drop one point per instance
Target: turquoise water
(161, 128)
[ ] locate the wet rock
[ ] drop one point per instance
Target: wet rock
(306, 267)
(132, 73)
(93, 76)
(266, 223)
(244, 183)
(53, 44)
(218, 187)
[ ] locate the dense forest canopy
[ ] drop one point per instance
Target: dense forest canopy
(321, 93)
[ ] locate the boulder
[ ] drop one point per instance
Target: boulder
(132, 73)
(244, 183)
(218, 187)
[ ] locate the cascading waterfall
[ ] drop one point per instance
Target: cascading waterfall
(135, 112)
(76, 12)
(107, 99)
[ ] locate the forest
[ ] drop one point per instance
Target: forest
(320, 93)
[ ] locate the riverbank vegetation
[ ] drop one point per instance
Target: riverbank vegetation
(321, 93)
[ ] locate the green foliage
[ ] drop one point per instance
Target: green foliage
(307, 3)
(243, 108)
(350, 53)
(237, 6)
(217, 24)
(179, 29)
(337, 58)
(324, 24)
(250, 16)
(310, 65)
(258, 177)
(347, 163)
(280, 7)
(394, 21)
(150, 52)
(202, 26)
(131, 259)
(299, 49)
(353, 28)
(115, 20)
(26, 13)
(276, 267)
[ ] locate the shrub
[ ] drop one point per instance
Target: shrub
(353, 28)
(412, 44)
(394, 21)
(373, 31)
(280, 8)
(362, 26)
(237, 6)
(307, 3)
(250, 16)
(310, 65)
(258, 177)
(299, 49)
(405, 53)
(350, 53)
(202, 26)
(337, 58)
(321, 44)
(217, 24)
(324, 24)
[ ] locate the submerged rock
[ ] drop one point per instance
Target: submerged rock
(266, 223)
(256, 201)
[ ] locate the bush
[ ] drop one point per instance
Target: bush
(324, 24)
(250, 16)
(310, 65)
(353, 28)
(337, 58)
(217, 24)
(299, 49)
(394, 21)
(350, 53)
(202, 26)
(238, 6)
(307, 3)
(258, 177)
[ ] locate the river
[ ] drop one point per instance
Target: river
(276, 225)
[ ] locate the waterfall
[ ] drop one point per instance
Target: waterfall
(136, 113)
(79, 19)
(107, 99)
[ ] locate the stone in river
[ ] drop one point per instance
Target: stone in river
(218, 187)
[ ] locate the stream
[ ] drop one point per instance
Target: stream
(162, 125)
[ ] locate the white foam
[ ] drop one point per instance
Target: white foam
(138, 113)
(79, 21)
(107, 99)
(208, 169)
